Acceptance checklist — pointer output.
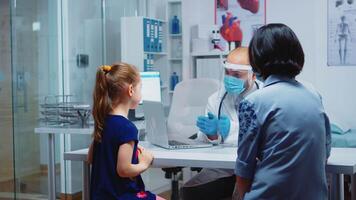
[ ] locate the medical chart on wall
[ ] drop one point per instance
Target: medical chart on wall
(341, 32)
(238, 20)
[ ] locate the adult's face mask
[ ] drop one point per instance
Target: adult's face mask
(234, 85)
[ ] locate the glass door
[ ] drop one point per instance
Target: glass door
(91, 37)
(6, 142)
(83, 52)
(35, 73)
(50, 49)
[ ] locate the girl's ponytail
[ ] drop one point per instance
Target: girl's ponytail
(111, 83)
(102, 103)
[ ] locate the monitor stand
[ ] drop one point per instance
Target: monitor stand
(132, 116)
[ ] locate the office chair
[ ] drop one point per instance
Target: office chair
(190, 98)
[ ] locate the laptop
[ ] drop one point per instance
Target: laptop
(157, 132)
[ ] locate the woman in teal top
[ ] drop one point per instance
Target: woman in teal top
(284, 136)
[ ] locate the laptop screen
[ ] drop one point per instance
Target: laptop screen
(151, 86)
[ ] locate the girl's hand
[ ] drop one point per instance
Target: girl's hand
(145, 156)
(140, 148)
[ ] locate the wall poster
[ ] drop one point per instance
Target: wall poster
(341, 33)
(238, 20)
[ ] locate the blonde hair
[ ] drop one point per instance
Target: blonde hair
(110, 86)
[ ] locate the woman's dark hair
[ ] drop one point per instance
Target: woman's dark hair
(275, 49)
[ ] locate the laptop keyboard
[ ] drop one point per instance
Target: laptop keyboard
(176, 143)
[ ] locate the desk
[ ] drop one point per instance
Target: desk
(51, 132)
(215, 157)
(341, 161)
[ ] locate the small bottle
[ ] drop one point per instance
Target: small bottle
(175, 25)
(174, 80)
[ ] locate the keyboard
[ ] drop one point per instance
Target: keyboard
(176, 143)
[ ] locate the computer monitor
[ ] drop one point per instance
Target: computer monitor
(151, 86)
(151, 91)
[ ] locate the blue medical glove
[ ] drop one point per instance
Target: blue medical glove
(208, 125)
(224, 126)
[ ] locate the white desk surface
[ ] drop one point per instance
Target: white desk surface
(60, 130)
(341, 161)
(214, 157)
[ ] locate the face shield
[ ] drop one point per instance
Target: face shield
(237, 78)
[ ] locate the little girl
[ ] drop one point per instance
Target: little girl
(117, 160)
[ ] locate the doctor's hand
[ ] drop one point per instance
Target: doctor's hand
(208, 125)
(224, 126)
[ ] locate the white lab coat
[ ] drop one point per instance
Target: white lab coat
(230, 109)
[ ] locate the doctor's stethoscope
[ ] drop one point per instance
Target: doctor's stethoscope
(222, 100)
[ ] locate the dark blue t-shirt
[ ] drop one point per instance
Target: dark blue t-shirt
(105, 181)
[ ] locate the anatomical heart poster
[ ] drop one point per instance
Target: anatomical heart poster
(341, 32)
(238, 20)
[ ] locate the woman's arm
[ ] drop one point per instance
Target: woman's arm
(248, 147)
(242, 185)
(125, 168)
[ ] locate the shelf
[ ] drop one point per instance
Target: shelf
(171, 91)
(175, 35)
(164, 87)
(156, 53)
(175, 59)
(209, 53)
(174, 1)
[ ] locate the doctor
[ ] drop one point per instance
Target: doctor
(220, 125)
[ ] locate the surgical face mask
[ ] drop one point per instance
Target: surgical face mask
(234, 85)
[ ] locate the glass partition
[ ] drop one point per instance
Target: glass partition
(6, 141)
(49, 54)
(35, 74)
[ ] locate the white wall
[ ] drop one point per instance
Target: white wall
(303, 22)
(308, 20)
(115, 9)
(194, 12)
(202, 12)
(335, 84)
(156, 9)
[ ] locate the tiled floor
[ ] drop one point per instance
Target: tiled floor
(22, 196)
(166, 195)
(29, 187)
(35, 187)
